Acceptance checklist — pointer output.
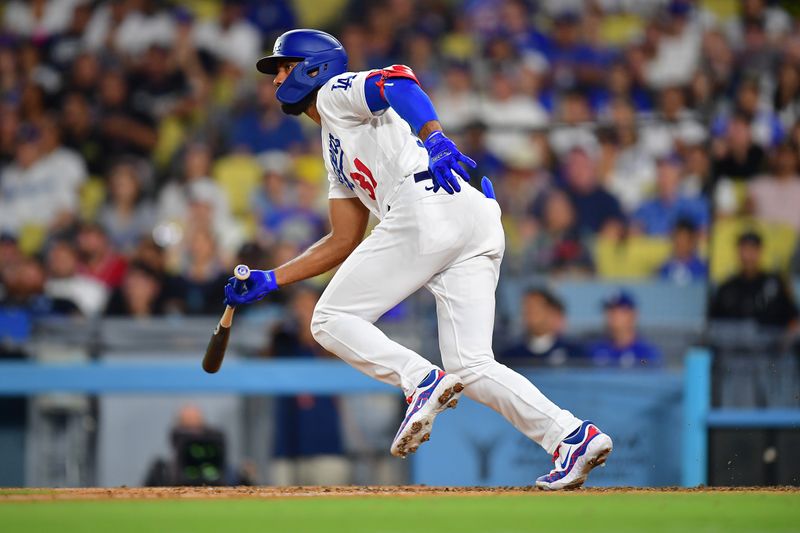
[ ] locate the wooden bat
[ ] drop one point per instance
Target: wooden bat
(215, 351)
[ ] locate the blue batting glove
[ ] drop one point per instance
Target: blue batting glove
(445, 159)
(259, 284)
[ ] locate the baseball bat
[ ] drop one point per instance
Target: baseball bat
(217, 344)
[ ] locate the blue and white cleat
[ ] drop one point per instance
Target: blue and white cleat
(437, 392)
(576, 456)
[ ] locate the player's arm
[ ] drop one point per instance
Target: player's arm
(397, 87)
(348, 223)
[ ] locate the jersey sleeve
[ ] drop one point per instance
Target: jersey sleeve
(338, 190)
(344, 96)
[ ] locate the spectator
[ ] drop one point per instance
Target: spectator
(658, 216)
(125, 129)
(308, 441)
(297, 222)
(266, 127)
(194, 200)
(99, 260)
(140, 295)
(81, 133)
(38, 19)
(24, 284)
(675, 126)
(752, 293)
(765, 127)
(623, 346)
(597, 211)
(632, 173)
(786, 98)
(684, 265)
(558, 248)
(204, 275)
(677, 47)
(474, 144)
(506, 111)
(126, 216)
(65, 282)
(456, 100)
(543, 341)
(776, 198)
(59, 159)
(195, 176)
(230, 37)
(737, 157)
(31, 190)
(65, 47)
(158, 88)
(574, 130)
(127, 29)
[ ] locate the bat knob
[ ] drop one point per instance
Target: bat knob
(241, 272)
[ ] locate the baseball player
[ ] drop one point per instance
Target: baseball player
(386, 154)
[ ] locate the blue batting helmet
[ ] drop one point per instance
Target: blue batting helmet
(319, 55)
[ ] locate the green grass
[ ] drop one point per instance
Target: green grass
(587, 513)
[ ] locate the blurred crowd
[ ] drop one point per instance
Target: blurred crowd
(141, 155)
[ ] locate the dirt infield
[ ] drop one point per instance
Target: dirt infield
(128, 493)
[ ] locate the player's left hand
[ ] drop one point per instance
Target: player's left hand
(445, 160)
(259, 284)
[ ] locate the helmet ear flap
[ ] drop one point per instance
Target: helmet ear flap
(310, 74)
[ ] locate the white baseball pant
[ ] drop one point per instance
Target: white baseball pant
(452, 245)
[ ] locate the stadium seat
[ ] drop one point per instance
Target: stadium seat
(91, 196)
(171, 135)
(32, 238)
(238, 175)
(637, 257)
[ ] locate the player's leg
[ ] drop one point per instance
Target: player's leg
(386, 268)
(465, 307)
(375, 278)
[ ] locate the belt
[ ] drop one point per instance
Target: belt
(422, 176)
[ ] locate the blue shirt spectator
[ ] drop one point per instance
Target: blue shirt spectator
(659, 215)
(265, 127)
(684, 271)
(596, 208)
(263, 132)
(606, 353)
(622, 346)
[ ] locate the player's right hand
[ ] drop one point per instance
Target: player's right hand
(259, 284)
(445, 160)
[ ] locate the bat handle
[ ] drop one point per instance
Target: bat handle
(227, 317)
(241, 273)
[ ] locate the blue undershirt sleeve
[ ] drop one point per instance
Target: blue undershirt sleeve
(372, 92)
(406, 97)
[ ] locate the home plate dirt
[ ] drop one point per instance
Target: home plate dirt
(125, 493)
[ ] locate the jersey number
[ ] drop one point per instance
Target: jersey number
(364, 178)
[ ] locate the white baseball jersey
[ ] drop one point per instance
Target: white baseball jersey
(451, 244)
(367, 154)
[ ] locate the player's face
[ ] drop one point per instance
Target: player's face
(284, 69)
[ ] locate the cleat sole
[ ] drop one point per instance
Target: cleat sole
(413, 436)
